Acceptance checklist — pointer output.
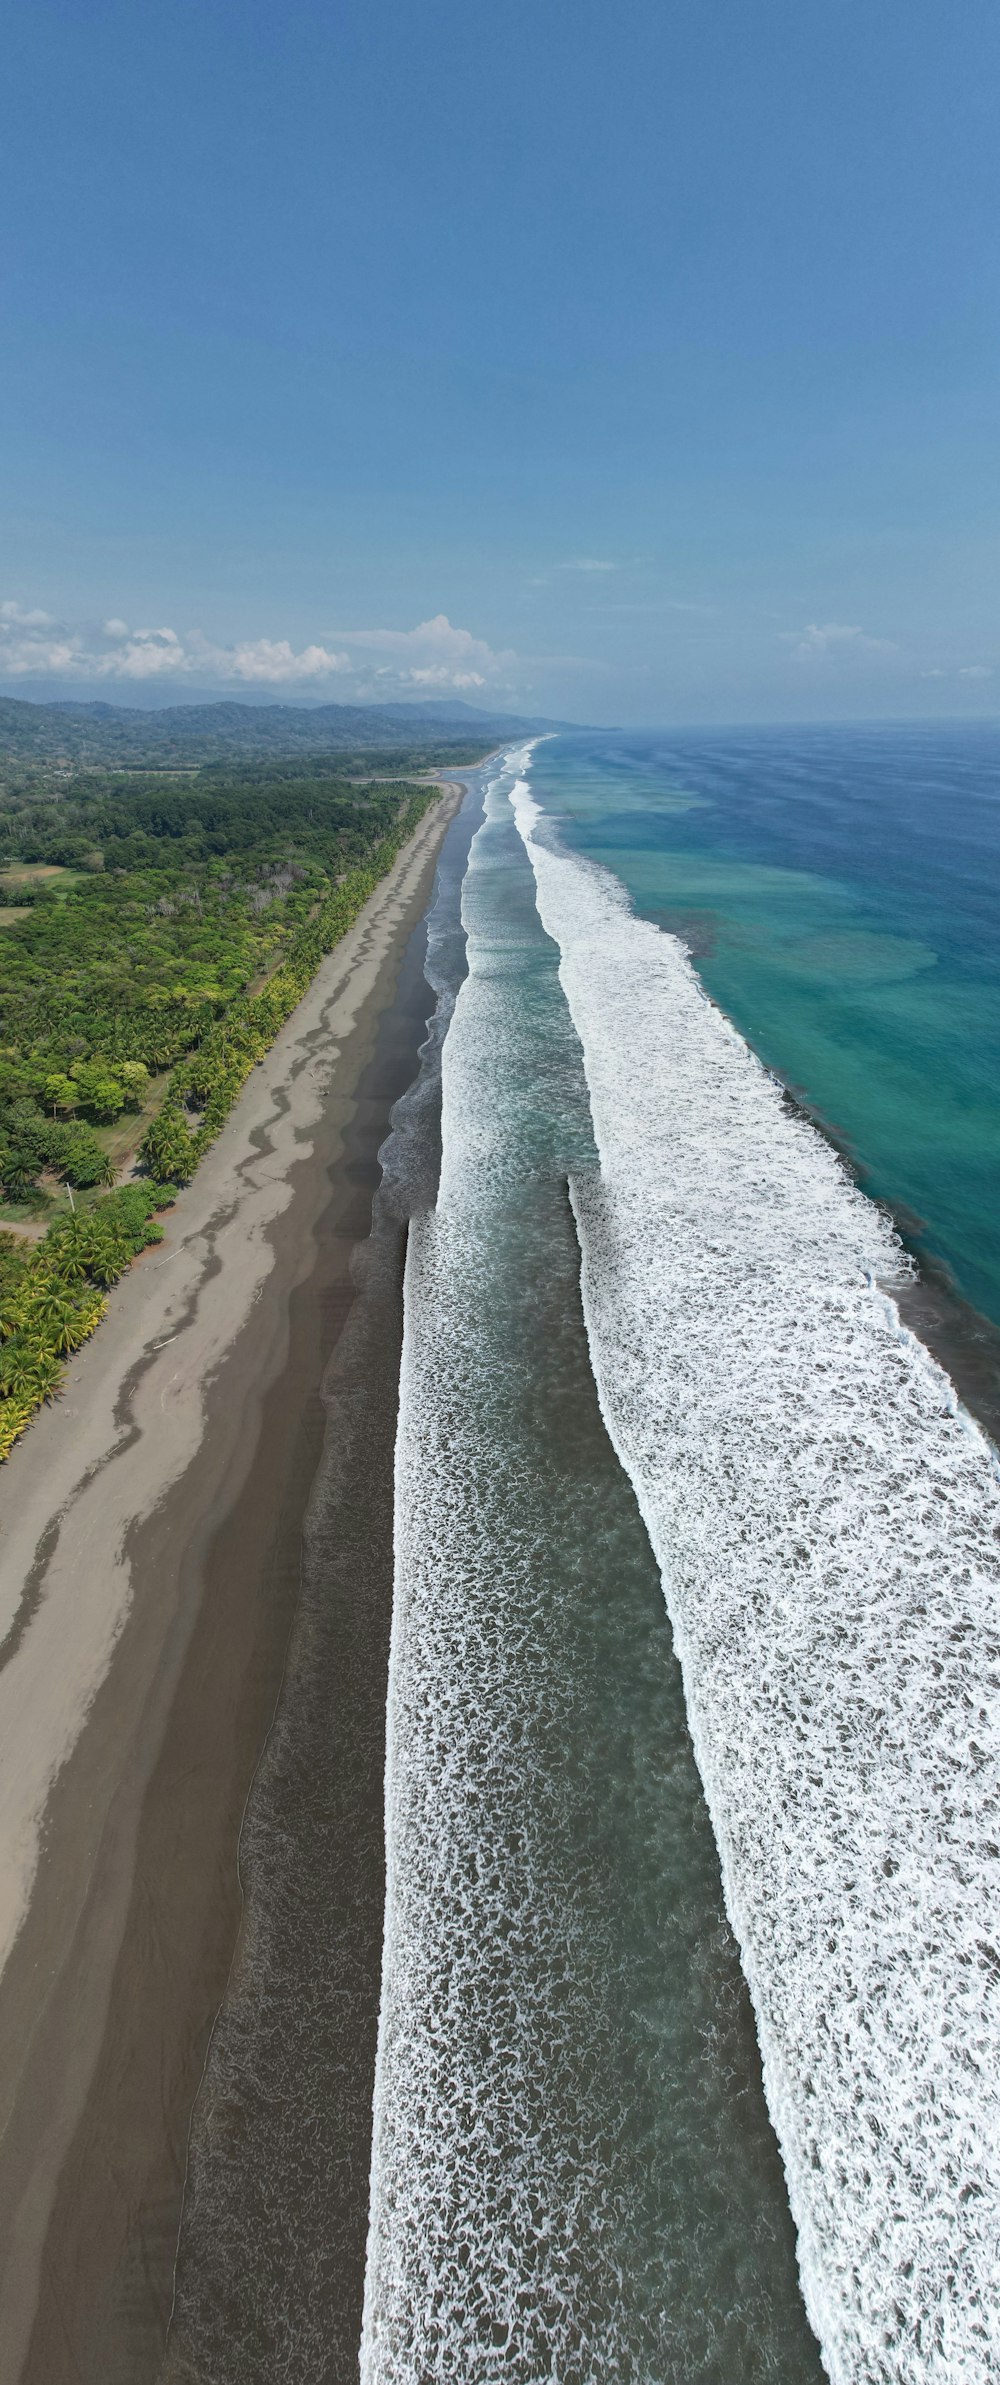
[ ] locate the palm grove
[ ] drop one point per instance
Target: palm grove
(160, 931)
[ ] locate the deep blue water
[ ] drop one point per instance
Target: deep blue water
(840, 891)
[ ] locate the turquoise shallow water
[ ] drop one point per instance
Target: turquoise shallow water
(840, 892)
(678, 1502)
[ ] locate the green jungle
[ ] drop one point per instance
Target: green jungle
(156, 931)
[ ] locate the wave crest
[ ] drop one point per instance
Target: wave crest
(826, 1518)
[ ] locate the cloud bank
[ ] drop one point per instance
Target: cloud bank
(433, 659)
(820, 639)
(435, 656)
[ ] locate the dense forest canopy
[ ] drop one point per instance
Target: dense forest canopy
(155, 934)
(120, 821)
(133, 912)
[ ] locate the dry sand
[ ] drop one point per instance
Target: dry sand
(140, 1659)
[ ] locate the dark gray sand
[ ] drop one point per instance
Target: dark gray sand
(116, 1974)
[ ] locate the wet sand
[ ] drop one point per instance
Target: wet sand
(271, 2260)
(149, 1577)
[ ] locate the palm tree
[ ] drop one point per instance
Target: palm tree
(28, 1374)
(86, 1317)
(14, 1415)
(19, 1182)
(55, 1314)
(168, 1149)
(71, 1245)
(108, 1260)
(47, 1377)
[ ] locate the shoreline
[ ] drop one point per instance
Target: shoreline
(964, 1341)
(272, 2250)
(151, 1525)
(962, 1338)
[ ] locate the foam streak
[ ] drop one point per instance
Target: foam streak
(826, 1518)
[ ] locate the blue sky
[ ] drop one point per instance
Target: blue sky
(634, 363)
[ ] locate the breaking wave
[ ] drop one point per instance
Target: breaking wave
(574, 2176)
(826, 1520)
(492, 2159)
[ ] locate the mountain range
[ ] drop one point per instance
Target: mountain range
(101, 734)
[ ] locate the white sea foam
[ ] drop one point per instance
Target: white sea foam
(826, 1518)
(489, 2182)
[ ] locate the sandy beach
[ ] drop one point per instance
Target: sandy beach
(149, 1574)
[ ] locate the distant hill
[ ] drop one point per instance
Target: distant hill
(104, 735)
(471, 716)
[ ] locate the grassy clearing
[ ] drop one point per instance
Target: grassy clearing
(27, 876)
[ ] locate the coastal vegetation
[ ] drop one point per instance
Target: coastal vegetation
(161, 930)
(53, 1293)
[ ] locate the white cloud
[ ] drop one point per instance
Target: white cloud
(142, 654)
(273, 660)
(438, 675)
(32, 642)
(434, 657)
(963, 671)
(22, 619)
(263, 662)
(587, 563)
(833, 637)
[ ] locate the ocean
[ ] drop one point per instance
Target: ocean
(839, 890)
(687, 2063)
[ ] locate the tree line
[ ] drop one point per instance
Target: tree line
(150, 979)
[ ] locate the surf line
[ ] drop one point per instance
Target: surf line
(826, 1518)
